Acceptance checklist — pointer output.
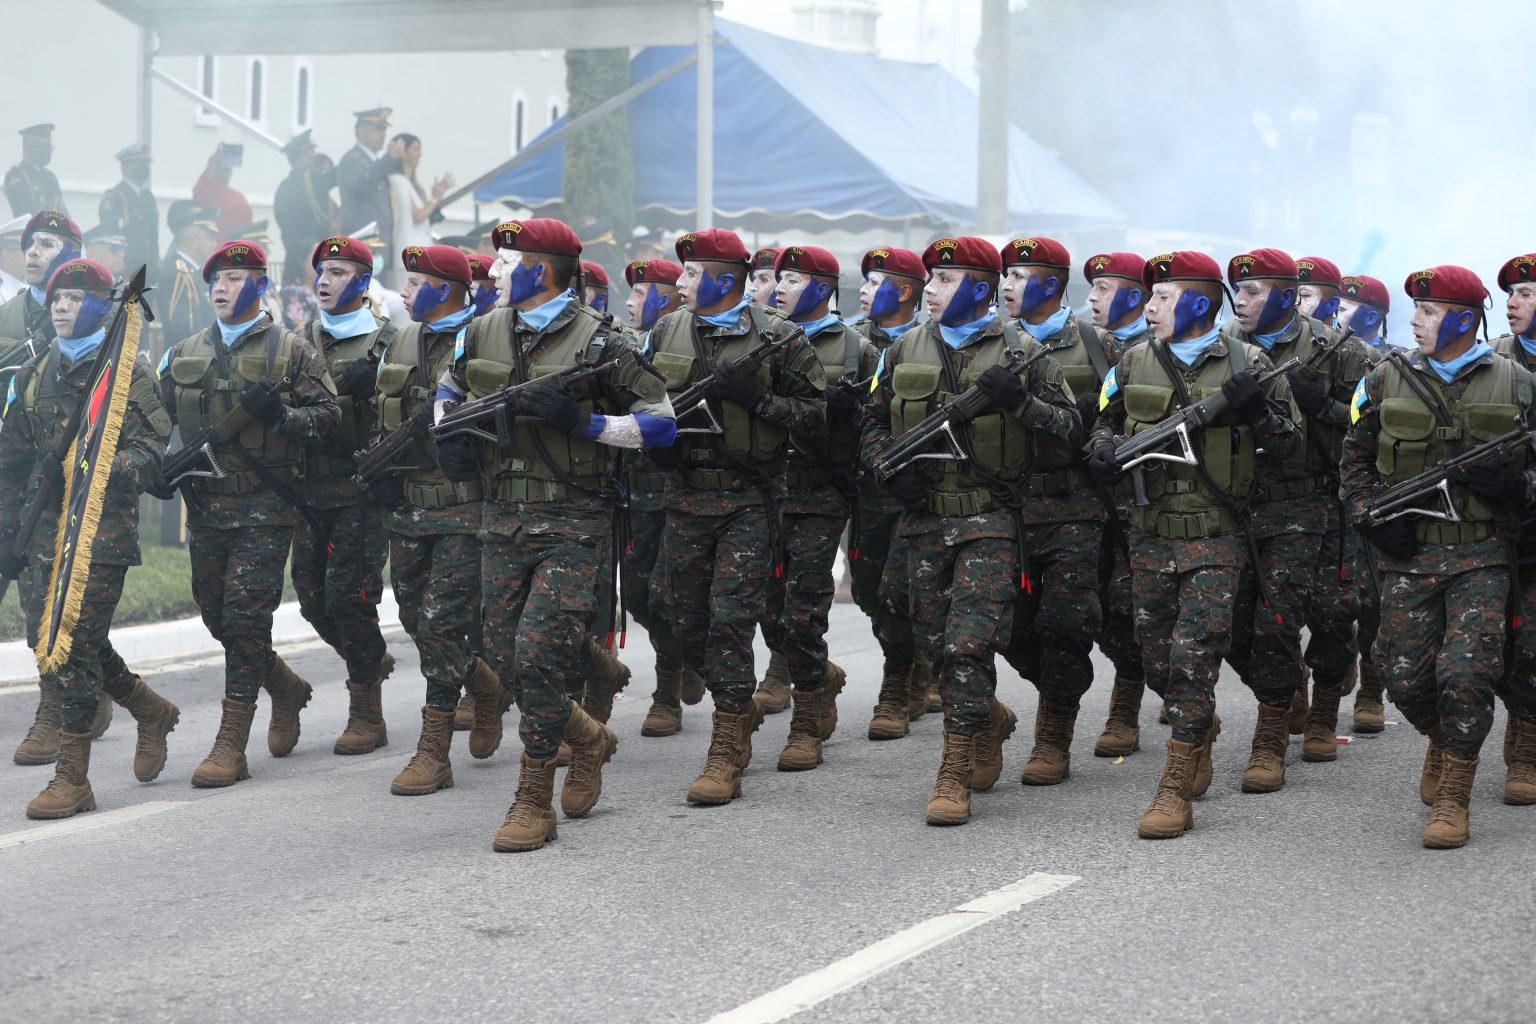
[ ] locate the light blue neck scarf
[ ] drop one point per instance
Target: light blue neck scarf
(76, 349)
(542, 315)
(1189, 351)
(727, 318)
(959, 337)
(1130, 330)
(815, 327)
(453, 321)
(1049, 326)
(1448, 371)
(342, 326)
(1267, 341)
(232, 333)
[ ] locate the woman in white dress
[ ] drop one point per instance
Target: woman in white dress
(412, 205)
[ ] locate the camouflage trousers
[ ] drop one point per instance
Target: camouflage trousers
(799, 601)
(867, 552)
(1184, 619)
(1117, 634)
(1266, 642)
(339, 592)
(893, 610)
(437, 585)
(1333, 608)
(1056, 614)
(1440, 650)
(962, 607)
(717, 570)
(540, 596)
(94, 666)
(643, 577)
(1368, 611)
(237, 581)
(1516, 685)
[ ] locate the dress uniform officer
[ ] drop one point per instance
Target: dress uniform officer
(129, 209)
(49, 240)
(362, 175)
(194, 235)
(303, 206)
(30, 185)
(109, 247)
(13, 261)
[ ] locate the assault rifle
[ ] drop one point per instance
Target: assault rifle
(913, 444)
(386, 456)
(491, 418)
(696, 398)
(197, 458)
(1407, 498)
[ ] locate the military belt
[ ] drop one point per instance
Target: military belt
(1285, 490)
(329, 467)
(959, 504)
(714, 480)
(806, 478)
(1053, 485)
(534, 489)
(1188, 525)
(442, 495)
(1452, 534)
(247, 482)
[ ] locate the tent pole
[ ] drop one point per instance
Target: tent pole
(704, 170)
(992, 129)
(146, 82)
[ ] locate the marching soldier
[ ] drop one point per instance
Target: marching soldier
(30, 185)
(594, 283)
(723, 532)
(302, 205)
(49, 240)
(1445, 585)
(1187, 545)
(1363, 308)
(129, 209)
(548, 514)
(242, 525)
(483, 298)
(79, 297)
(194, 235)
(1319, 289)
(1117, 299)
(965, 518)
(362, 175)
(763, 283)
(338, 576)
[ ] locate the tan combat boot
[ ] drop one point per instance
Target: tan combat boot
(531, 818)
(609, 677)
(1122, 731)
(1370, 713)
(1202, 772)
(693, 687)
(988, 745)
(1322, 729)
(365, 729)
(464, 714)
(921, 682)
(1051, 760)
(773, 694)
(1448, 824)
(1171, 813)
(156, 717)
(1520, 780)
(1296, 718)
(491, 701)
(42, 743)
(747, 724)
(593, 745)
(666, 714)
(833, 679)
(429, 769)
(950, 801)
(290, 695)
(720, 782)
(225, 764)
(1429, 776)
(563, 758)
(1266, 764)
(69, 792)
(890, 718)
(103, 719)
(802, 751)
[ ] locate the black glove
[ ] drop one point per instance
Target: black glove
(262, 402)
(1245, 397)
(1497, 483)
(1004, 389)
(1395, 538)
(1311, 398)
(910, 488)
(359, 379)
(1103, 464)
(388, 491)
(843, 406)
(10, 565)
(459, 460)
(666, 459)
(555, 407)
(157, 488)
(737, 386)
(1088, 409)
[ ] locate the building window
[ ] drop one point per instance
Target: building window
(256, 90)
(519, 121)
(554, 110)
(208, 85)
(303, 94)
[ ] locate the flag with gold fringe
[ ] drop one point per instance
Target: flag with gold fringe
(87, 466)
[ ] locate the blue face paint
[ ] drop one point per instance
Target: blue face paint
(1191, 308)
(526, 282)
(967, 304)
(93, 310)
(811, 296)
(712, 289)
(1276, 307)
(1327, 310)
(1364, 322)
(650, 310)
(1189, 350)
(483, 298)
(1452, 327)
(1037, 291)
(253, 289)
(427, 298)
(1126, 299)
(67, 252)
(599, 301)
(356, 287)
(887, 300)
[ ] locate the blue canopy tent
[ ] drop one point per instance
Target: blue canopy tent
(811, 137)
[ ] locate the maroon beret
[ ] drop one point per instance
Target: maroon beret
(1036, 252)
(1516, 270)
(1261, 264)
(537, 234)
(715, 245)
(480, 265)
(764, 259)
(442, 261)
(240, 254)
(596, 276)
(1316, 270)
(890, 260)
(1446, 284)
(1183, 265)
(807, 259)
(87, 275)
(1368, 290)
(653, 271)
(53, 222)
(967, 252)
(340, 247)
(1114, 264)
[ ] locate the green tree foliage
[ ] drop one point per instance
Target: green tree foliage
(599, 169)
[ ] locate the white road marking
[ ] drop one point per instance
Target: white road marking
(818, 986)
(87, 820)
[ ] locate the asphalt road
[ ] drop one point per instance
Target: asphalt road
(310, 893)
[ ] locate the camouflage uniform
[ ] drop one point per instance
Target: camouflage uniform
(339, 590)
(25, 331)
(1516, 686)
(1117, 634)
(46, 390)
(643, 570)
(240, 527)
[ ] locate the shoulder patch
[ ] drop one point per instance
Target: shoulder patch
(1357, 403)
(1110, 388)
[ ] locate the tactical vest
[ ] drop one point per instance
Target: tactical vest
(1001, 444)
(1412, 439)
(40, 399)
(1182, 506)
(543, 465)
(1313, 467)
(749, 439)
(838, 353)
(408, 376)
(208, 382)
(1509, 346)
(332, 459)
(1057, 470)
